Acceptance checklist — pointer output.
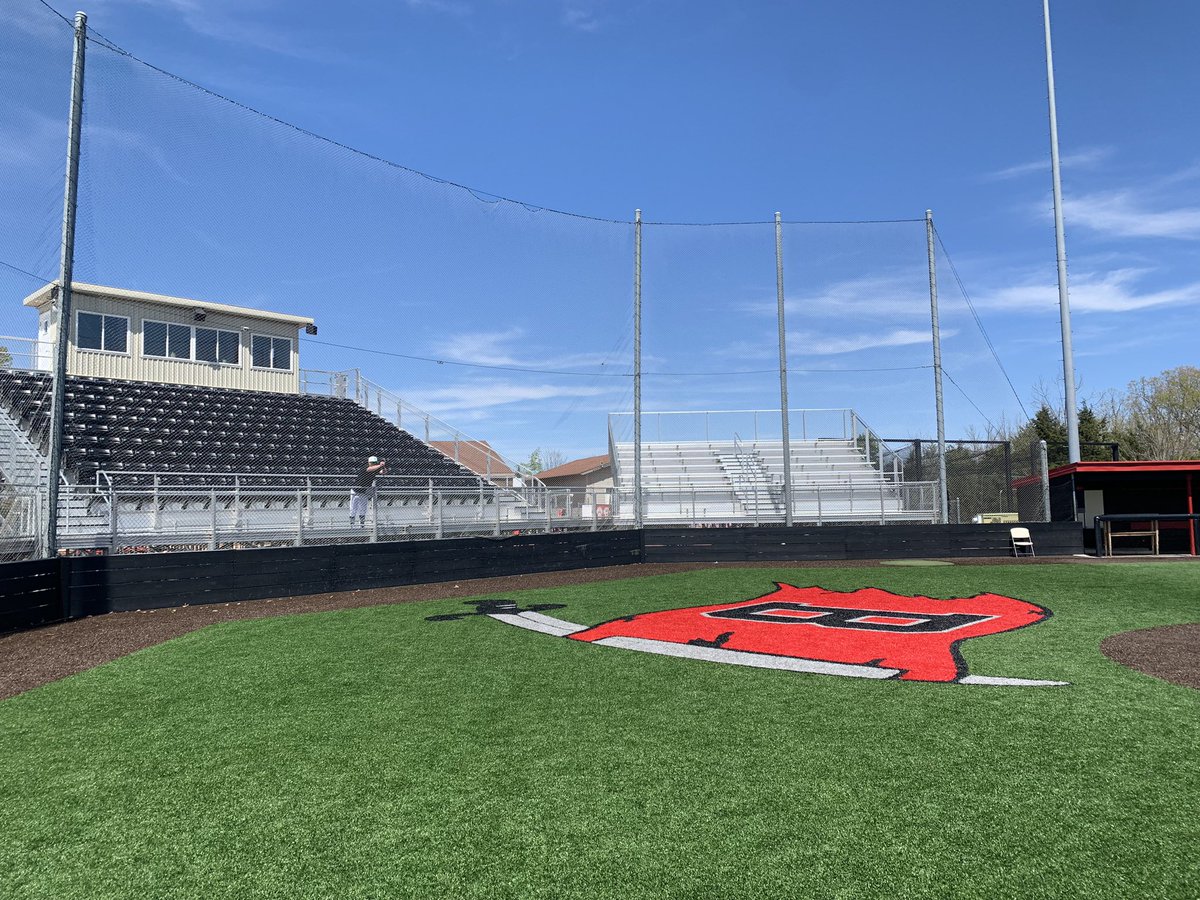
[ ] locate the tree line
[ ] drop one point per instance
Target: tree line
(1153, 418)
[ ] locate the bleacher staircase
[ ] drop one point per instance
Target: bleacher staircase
(832, 480)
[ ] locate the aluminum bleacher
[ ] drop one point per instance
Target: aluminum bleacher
(137, 428)
(162, 465)
(833, 480)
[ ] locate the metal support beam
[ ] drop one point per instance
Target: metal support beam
(783, 378)
(637, 368)
(1060, 242)
(943, 490)
(66, 274)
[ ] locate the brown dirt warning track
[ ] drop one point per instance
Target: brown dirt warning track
(38, 656)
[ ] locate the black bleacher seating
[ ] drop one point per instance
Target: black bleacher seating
(131, 426)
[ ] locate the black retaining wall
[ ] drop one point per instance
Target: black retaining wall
(44, 591)
(853, 542)
(30, 593)
(101, 584)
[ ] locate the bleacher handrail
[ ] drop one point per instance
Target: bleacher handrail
(352, 385)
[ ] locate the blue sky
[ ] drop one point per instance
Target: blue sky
(693, 112)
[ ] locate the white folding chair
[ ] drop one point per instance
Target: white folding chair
(1022, 543)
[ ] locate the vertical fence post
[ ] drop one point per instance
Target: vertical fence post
(212, 541)
(496, 503)
(1008, 478)
(939, 405)
(374, 514)
(783, 377)
(299, 517)
(595, 499)
(1044, 475)
(154, 516)
(637, 368)
(440, 530)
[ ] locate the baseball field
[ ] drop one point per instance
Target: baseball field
(425, 750)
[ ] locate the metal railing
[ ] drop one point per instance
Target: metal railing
(872, 501)
(25, 353)
(316, 510)
(467, 451)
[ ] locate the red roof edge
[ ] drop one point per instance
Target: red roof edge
(1145, 465)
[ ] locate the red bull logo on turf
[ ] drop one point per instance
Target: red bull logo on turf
(868, 633)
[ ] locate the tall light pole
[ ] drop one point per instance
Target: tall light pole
(66, 274)
(1064, 305)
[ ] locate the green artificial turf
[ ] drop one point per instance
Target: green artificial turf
(370, 753)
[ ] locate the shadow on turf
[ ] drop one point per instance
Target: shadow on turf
(490, 606)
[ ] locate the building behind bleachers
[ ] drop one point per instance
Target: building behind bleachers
(184, 424)
(138, 336)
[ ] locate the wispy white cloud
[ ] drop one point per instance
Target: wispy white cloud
(1113, 291)
(1081, 160)
(37, 21)
(457, 8)
(500, 348)
(892, 294)
(481, 347)
(233, 21)
(806, 343)
(1127, 213)
(473, 399)
(580, 17)
(826, 345)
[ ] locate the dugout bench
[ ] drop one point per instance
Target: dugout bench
(1142, 525)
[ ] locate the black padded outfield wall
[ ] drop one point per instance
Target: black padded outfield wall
(100, 584)
(44, 591)
(852, 542)
(30, 593)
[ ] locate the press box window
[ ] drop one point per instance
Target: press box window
(166, 339)
(270, 352)
(98, 332)
(213, 345)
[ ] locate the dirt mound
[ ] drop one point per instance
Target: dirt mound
(1170, 652)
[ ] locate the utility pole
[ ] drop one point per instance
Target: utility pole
(1060, 240)
(66, 273)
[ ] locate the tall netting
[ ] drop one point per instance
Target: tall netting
(35, 83)
(259, 312)
(450, 330)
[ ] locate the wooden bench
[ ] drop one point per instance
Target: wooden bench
(1109, 535)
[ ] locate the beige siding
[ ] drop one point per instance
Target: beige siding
(134, 366)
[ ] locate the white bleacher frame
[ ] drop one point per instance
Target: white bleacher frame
(842, 472)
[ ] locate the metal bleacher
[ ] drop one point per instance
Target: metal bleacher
(135, 428)
(834, 479)
(152, 464)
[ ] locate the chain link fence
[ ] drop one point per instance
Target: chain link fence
(986, 481)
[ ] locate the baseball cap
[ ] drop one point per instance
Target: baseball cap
(373, 459)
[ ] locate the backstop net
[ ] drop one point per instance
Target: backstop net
(258, 310)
